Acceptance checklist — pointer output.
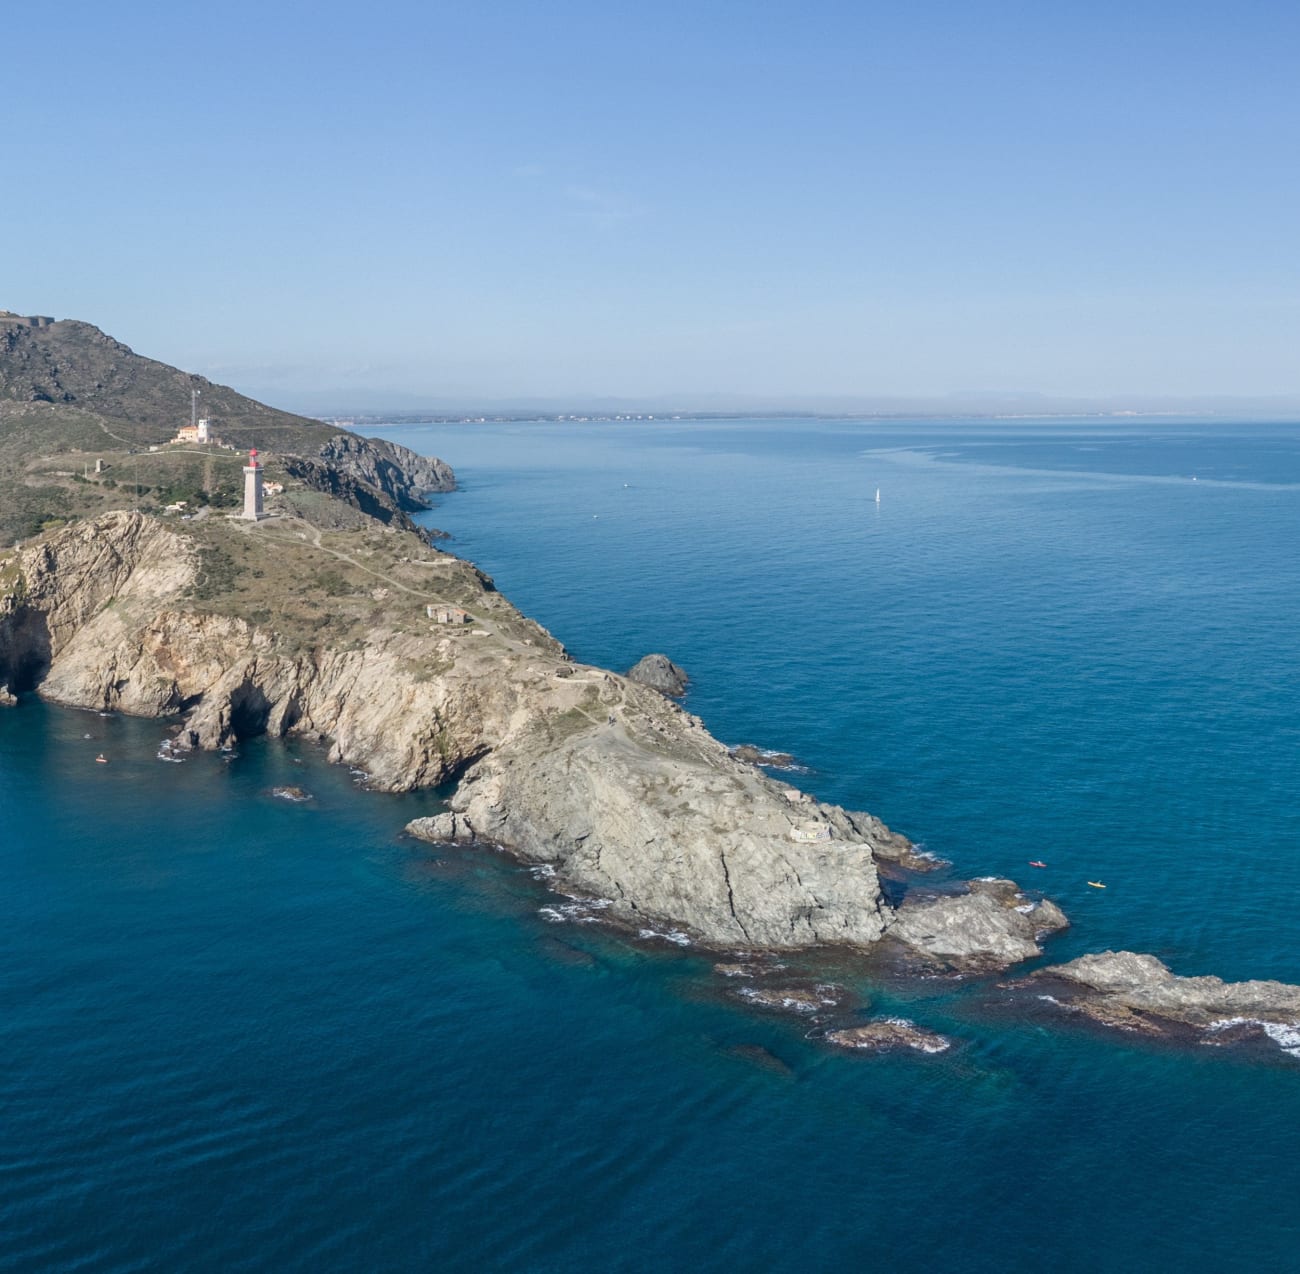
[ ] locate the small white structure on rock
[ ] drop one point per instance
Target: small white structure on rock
(810, 834)
(448, 614)
(252, 489)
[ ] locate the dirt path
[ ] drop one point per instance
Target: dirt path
(312, 535)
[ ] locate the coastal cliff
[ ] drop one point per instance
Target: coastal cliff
(622, 795)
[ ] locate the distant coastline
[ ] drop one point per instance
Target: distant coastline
(402, 420)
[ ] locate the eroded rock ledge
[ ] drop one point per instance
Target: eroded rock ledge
(1140, 993)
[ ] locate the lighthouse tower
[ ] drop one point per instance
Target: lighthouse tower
(252, 489)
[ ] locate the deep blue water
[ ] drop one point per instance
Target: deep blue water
(239, 1034)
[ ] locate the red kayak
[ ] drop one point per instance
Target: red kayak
(1035, 863)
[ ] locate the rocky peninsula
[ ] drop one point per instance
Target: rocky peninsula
(623, 794)
(336, 619)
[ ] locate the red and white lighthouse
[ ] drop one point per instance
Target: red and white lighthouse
(253, 489)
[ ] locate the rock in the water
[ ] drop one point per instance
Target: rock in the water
(731, 970)
(761, 1057)
(660, 673)
(991, 927)
(751, 755)
(1121, 988)
(794, 999)
(7, 700)
(291, 794)
(890, 1033)
(445, 829)
(899, 850)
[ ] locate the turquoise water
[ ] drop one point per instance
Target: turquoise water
(240, 1034)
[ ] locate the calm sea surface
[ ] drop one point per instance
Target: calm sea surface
(240, 1034)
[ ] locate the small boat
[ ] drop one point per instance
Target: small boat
(1033, 862)
(101, 759)
(1096, 884)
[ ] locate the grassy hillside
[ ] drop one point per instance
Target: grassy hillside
(71, 364)
(70, 396)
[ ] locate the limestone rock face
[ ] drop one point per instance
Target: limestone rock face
(660, 673)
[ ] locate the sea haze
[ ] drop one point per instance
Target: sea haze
(240, 1033)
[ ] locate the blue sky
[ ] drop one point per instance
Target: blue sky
(496, 200)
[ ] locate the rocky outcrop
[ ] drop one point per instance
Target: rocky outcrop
(636, 811)
(992, 925)
(643, 807)
(888, 1034)
(346, 487)
(765, 757)
(625, 797)
(403, 475)
(1140, 993)
(660, 673)
(793, 999)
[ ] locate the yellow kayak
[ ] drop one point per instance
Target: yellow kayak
(1096, 884)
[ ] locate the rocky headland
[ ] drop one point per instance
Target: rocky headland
(621, 793)
(337, 620)
(622, 798)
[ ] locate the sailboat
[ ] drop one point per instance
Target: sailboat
(877, 495)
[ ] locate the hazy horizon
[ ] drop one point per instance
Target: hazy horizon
(380, 404)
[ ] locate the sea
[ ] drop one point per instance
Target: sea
(240, 1033)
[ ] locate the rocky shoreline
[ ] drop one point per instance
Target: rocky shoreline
(621, 798)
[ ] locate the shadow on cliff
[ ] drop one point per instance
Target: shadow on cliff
(250, 710)
(25, 653)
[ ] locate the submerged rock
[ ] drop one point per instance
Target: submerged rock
(660, 673)
(761, 1057)
(794, 999)
(734, 970)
